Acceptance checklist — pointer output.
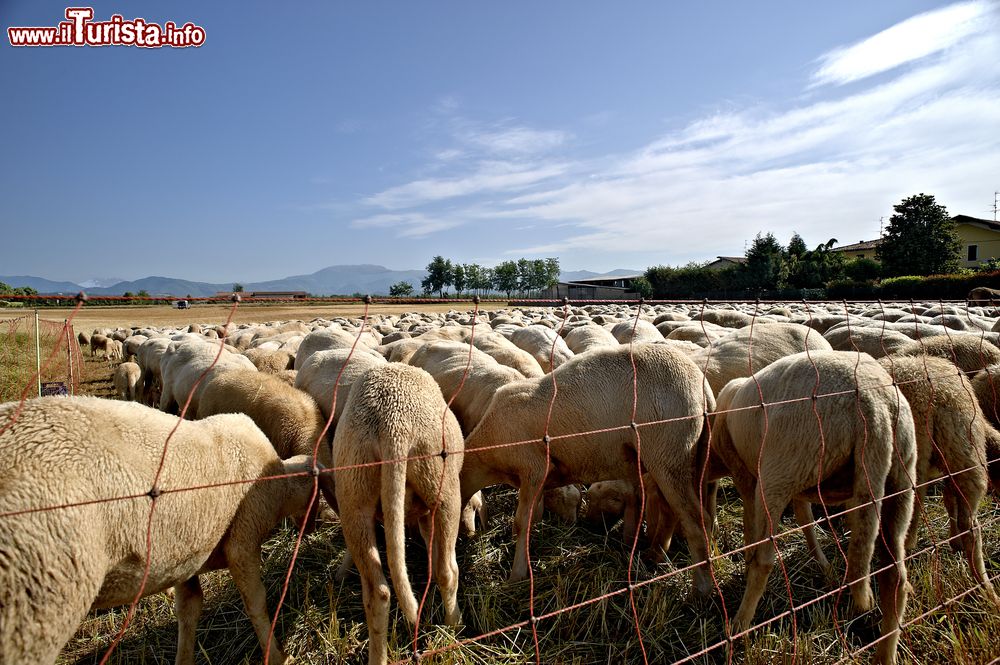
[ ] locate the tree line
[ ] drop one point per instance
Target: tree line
(920, 240)
(523, 277)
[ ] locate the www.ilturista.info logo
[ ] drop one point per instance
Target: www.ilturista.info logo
(80, 30)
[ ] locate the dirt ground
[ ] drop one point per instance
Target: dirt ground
(90, 317)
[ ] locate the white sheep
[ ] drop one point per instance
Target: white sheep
(184, 368)
(468, 377)
(318, 376)
(951, 438)
(584, 338)
(397, 412)
(746, 350)
(323, 340)
(595, 392)
(125, 379)
(57, 565)
(865, 450)
(544, 344)
(290, 418)
(970, 352)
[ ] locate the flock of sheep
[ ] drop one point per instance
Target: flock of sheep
(410, 416)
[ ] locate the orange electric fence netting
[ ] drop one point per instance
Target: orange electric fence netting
(63, 353)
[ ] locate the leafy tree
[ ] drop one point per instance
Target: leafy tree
(459, 279)
(920, 239)
(505, 277)
(862, 270)
(763, 267)
(552, 272)
(5, 287)
(145, 294)
(439, 275)
(796, 246)
(642, 286)
(814, 268)
(237, 288)
(694, 279)
(401, 290)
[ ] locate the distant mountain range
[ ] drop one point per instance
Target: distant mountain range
(334, 280)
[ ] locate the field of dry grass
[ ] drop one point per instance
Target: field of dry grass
(323, 620)
(100, 316)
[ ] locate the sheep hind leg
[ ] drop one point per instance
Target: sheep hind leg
(804, 516)
(245, 568)
(892, 582)
(359, 532)
(970, 536)
(863, 522)
(447, 521)
(683, 500)
(188, 602)
(760, 559)
(522, 524)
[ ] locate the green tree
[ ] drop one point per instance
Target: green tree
(642, 286)
(505, 277)
(5, 287)
(237, 288)
(765, 260)
(439, 275)
(553, 271)
(459, 279)
(401, 290)
(920, 239)
(145, 294)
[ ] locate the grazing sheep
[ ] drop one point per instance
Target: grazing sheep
(130, 347)
(271, 362)
(507, 353)
(779, 455)
(468, 377)
(401, 350)
(584, 338)
(544, 344)
(183, 369)
(57, 565)
(290, 418)
(969, 352)
(396, 411)
(125, 379)
(83, 339)
(636, 331)
(983, 296)
(324, 340)
(150, 380)
(874, 341)
(595, 392)
(951, 437)
(318, 376)
(99, 343)
(114, 350)
(746, 350)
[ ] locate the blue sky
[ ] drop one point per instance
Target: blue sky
(303, 135)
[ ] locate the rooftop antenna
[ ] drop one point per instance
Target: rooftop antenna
(995, 198)
(880, 220)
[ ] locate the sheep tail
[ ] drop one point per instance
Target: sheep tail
(393, 498)
(993, 458)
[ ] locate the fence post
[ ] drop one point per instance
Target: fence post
(70, 339)
(38, 355)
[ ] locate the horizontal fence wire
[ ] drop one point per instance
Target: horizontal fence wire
(63, 334)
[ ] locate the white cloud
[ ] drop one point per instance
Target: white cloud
(516, 140)
(490, 177)
(907, 41)
(826, 167)
(410, 225)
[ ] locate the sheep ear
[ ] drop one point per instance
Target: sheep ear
(298, 464)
